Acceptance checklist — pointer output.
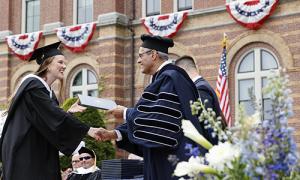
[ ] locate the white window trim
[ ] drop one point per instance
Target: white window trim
(23, 23)
(144, 10)
(256, 75)
(175, 6)
(85, 87)
(75, 11)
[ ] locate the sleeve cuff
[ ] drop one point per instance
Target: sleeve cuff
(119, 135)
(124, 114)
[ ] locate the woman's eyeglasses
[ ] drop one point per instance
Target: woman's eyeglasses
(85, 157)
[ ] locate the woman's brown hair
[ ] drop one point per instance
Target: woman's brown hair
(41, 72)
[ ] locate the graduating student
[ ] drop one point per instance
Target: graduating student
(36, 128)
(153, 127)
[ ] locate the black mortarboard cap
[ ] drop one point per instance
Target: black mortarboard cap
(86, 150)
(157, 42)
(42, 53)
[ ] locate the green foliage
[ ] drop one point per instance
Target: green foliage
(95, 118)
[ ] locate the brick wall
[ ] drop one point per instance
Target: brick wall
(201, 34)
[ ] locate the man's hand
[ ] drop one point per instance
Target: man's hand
(117, 112)
(95, 133)
(76, 108)
(107, 134)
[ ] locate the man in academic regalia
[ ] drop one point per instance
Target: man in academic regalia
(207, 94)
(88, 170)
(153, 127)
(36, 128)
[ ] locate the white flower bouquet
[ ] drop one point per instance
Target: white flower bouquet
(254, 148)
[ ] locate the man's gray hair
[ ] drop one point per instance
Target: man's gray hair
(163, 56)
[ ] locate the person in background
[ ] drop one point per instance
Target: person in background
(153, 126)
(36, 128)
(88, 169)
(207, 94)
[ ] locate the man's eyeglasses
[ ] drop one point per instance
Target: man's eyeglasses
(75, 161)
(141, 54)
(85, 157)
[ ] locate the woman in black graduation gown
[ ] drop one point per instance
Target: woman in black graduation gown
(36, 128)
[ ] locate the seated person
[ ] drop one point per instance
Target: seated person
(88, 169)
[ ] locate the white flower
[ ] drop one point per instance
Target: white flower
(192, 168)
(191, 132)
(222, 155)
(254, 120)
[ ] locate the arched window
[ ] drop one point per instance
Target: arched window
(251, 76)
(84, 82)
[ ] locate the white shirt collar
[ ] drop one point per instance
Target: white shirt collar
(196, 78)
(163, 64)
(39, 78)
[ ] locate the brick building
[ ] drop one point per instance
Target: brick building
(109, 61)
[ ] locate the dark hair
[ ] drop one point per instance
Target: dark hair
(187, 62)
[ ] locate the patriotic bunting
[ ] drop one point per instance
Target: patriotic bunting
(164, 25)
(23, 45)
(251, 13)
(77, 37)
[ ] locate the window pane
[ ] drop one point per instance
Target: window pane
(80, 3)
(267, 108)
(268, 61)
(85, 11)
(89, 3)
(264, 83)
(248, 107)
(78, 79)
(184, 4)
(89, 14)
(93, 93)
(247, 64)
(246, 87)
(91, 78)
(153, 7)
(75, 93)
(29, 24)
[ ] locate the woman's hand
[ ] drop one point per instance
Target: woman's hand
(76, 108)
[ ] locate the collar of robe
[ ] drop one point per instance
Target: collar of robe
(39, 78)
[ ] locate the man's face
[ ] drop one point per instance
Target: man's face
(145, 60)
(86, 160)
(76, 163)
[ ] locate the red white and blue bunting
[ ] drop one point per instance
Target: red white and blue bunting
(76, 37)
(164, 25)
(251, 13)
(23, 45)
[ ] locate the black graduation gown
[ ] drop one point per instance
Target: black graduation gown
(35, 130)
(153, 127)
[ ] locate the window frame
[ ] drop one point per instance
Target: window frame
(24, 16)
(85, 87)
(257, 74)
(75, 12)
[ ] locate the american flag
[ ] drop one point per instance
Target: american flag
(222, 86)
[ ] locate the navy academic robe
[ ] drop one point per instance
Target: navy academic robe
(34, 131)
(206, 92)
(153, 127)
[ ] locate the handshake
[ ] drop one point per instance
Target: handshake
(101, 134)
